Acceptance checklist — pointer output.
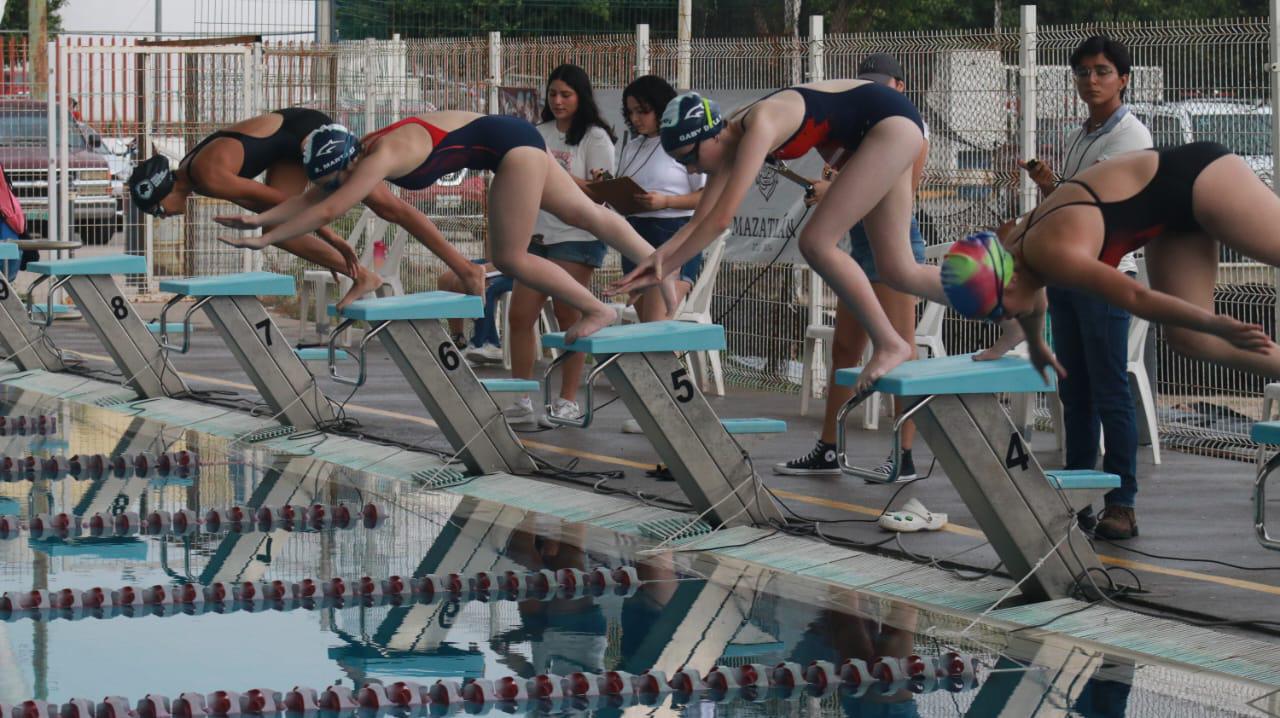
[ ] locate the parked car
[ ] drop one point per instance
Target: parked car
(1243, 126)
(24, 153)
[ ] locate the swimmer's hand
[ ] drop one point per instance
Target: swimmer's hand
(1249, 337)
(1011, 335)
(1042, 358)
(647, 273)
(475, 281)
(820, 188)
(238, 221)
(349, 258)
(244, 242)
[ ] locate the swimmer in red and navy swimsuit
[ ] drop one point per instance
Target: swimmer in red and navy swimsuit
(1176, 204)
(872, 133)
(417, 151)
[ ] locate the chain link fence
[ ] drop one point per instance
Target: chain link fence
(1191, 81)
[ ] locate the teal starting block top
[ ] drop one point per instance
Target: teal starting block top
(423, 305)
(1266, 432)
(9, 250)
(170, 328)
(754, 426)
(510, 386)
(320, 354)
(107, 264)
(955, 375)
(39, 307)
(244, 284)
(1068, 479)
(665, 336)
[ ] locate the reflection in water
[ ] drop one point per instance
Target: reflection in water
(688, 610)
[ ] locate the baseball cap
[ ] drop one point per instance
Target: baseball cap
(689, 118)
(880, 67)
(328, 148)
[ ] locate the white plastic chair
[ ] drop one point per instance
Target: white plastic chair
(315, 282)
(696, 307)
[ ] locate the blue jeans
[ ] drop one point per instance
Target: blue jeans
(1091, 339)
(860, 248)
(486, 329)
(10, 266)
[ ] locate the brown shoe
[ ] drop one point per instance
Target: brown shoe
(1116, 523)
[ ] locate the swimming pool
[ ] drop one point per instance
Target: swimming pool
(648, 610)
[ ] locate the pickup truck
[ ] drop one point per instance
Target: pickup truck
(24, 154)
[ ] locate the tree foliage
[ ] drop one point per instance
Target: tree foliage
(16, 18)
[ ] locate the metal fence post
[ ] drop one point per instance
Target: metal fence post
(642, 49)
(495, 70)
(1274, 70)
(1027, 105)
(684, 45)
(817, 73)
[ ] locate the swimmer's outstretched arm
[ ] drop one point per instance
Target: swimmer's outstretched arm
(1038, 350)
(368, 173)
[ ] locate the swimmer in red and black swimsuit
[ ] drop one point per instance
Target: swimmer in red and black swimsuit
(417, 151)
(872, 133)
(1177, 204)
(224, 165)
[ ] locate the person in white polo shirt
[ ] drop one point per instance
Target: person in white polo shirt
(1091, 337)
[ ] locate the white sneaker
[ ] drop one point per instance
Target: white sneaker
(521, 413)
(563, 409)
(487, 354)
(631, 426)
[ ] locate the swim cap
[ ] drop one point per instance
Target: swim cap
(975, 272)
(689, 118)
(328, 148)
(150, 182)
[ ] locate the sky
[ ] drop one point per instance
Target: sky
(179, 16)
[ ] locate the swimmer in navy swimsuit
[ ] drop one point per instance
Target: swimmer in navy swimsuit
(223, 165)
(870, 132)
(417, 151)
(1177, 204)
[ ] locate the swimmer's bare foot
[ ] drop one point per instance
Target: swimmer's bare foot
(590, 323)
(883, 359)
(368, 281)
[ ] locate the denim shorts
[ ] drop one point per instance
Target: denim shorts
(656, 231)
(861, 248)
(589, 253)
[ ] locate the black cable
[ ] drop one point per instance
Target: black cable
(1186, 559)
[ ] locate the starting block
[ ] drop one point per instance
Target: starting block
(1027, 515)
(411, 330)
(231, 303)
(1264, 432)
(122, 332)
(19, 339)
(641, 363)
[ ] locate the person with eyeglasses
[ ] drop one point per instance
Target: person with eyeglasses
(415, 152)
(1090, 335)
(224, 164)
(871, 134)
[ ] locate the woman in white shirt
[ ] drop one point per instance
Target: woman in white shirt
(670, 192)
(580, 141)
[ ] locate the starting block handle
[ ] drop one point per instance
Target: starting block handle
(185, 346)
(47, 320)
(589, 412)
(896, 457)
(1260, 505)
(361, 374)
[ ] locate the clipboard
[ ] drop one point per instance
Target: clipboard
(619, 193)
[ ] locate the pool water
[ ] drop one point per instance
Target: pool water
(673, 609)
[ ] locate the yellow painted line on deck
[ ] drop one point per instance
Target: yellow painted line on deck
(803, 498)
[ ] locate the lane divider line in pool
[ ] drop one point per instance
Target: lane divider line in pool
(755, 682)
(233, 519)
(310, 594)
(92, 466)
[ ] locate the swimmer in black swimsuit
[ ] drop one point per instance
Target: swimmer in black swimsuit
(1178, 203)
(223, 165)
(416, 152)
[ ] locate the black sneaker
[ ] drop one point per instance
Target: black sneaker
(906, 468)
(819, 462)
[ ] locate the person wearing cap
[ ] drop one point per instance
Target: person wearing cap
(1090, 336)
(223, 165)
(850, 336)
(417, 151)
(869, 132)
